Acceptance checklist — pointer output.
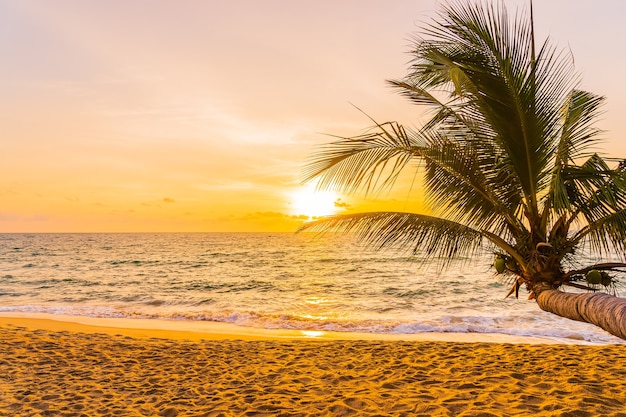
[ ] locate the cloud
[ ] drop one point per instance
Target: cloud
(339, 203)
(265, 215)
(17, 217)
(299, 217)
(169, 200)
(268, 215)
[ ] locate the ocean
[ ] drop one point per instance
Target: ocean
(267, 280)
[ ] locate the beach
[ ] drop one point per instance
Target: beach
(56, 368)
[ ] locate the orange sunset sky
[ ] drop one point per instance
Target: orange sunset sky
(154, 115)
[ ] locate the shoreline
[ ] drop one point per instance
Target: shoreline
(204, 330)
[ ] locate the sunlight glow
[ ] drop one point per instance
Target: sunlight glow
(309, 202)
(312, 333)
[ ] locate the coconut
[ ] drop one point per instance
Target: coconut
(499, 264)
(512, 265)
(606, 279)
(594, 277)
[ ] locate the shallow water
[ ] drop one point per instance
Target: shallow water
(267, 280)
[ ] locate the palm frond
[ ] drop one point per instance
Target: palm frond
(419, 95)
(429, 236)
(458, 177)
(486, 65)
(577, 134)
(371, 161)
(598, 195)
(605, 235)
(458, 181)
(594, 189)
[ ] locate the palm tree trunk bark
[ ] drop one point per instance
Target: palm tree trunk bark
(601, 309)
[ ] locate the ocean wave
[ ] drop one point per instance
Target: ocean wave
(269, 281)
(570, 332)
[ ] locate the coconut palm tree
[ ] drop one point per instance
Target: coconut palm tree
(507, 160)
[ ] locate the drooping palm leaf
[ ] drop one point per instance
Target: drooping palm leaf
(455, 176)
(456, 181)
(430, 236)
(370, 161)
(576, 135)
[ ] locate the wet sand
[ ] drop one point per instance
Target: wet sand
(76, 370)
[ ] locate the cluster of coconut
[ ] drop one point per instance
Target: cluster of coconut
(595, 277)
(503, 263)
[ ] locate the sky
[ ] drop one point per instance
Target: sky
(199, 116)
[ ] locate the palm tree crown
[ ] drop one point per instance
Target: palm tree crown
(506, 156)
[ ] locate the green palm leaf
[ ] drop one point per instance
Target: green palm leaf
(576, 135)
(370, 161)
(430, 236)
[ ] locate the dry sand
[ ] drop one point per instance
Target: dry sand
(48, 371)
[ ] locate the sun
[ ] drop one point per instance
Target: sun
(311, 203)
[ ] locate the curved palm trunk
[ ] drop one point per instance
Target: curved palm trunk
(601, 309)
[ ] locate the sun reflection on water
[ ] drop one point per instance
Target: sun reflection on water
(312, 333)
(315, 300)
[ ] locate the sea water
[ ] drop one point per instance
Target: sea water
(268, 280)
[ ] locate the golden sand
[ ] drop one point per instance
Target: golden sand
(79, 372)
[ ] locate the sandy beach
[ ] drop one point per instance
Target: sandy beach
(60, 369)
